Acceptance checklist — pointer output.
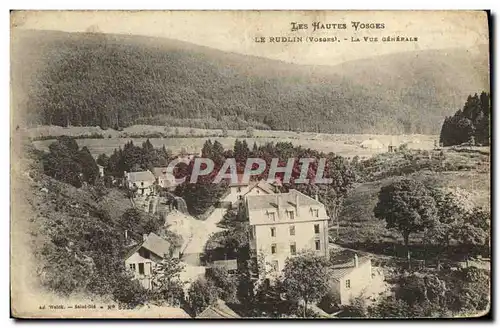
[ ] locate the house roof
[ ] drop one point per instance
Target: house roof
(262, 184)
(287, 200)
(140, 176)
(342, 270)
(218, 310)
(372, 144)
(154, 244)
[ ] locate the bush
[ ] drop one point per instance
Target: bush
(202, 293)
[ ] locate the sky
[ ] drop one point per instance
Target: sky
(236, 31)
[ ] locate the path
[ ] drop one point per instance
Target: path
(195, 234)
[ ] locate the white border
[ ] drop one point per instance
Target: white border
(185, 4)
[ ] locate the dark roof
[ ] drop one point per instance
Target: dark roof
(218, 310)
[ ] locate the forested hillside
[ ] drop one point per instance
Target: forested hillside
(470, 124)
(117, 80)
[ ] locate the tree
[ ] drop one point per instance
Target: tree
(469, 290)
(166, 279)
(305, 277)
(90, 171)
(389, 307)
(226, 284)
(470, 236)
(407, 206)
(449, 213)
(202, 293)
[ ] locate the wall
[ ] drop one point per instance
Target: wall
(149, 264)
(304, 239)
(359, 279)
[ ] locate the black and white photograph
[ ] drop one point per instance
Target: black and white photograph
(250, 164)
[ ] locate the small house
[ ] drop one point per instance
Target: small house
(350, 280)
(142, 258)
(143, 181)
(163, 178)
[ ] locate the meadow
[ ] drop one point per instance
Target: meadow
(177, 139)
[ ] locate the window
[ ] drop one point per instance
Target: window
(293, 249)
(141, 268)
(317, 244)
(132, 266)
(316, 228)
(239, 189)
(348, 283)
(290, 214)
(273, 232)
(292, 230)
(251, 233)
(271, 215)
(275, 265)
(315, 212)
(273, 249)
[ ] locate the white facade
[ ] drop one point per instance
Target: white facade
(283, 225)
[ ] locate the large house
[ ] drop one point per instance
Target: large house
(350, 280)
(143, 181)
(282, 225)
(142, 258)
(163, 178)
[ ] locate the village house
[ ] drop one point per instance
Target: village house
(142, 258)
(240, 190)
(218, 310)
(282, 225)
(163, 178)
(143, 181)
(349, 280)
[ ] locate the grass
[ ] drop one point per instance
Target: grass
(192, 139)
(358, 226)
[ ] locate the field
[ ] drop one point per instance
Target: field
(192, 140)
(358, 224)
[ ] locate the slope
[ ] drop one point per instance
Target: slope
(103, 79)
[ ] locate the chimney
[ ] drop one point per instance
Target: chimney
(356, 261)
(316, 197)
(144, 237)
(297, 203)
(126, 234)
